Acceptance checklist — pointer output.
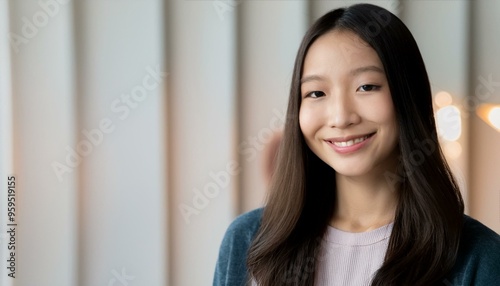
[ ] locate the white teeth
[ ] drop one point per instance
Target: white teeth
(350, 142)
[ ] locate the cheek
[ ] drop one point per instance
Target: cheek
(387, 117)
(381, 111)
(307, 121)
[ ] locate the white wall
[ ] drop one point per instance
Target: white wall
(441, 29)
(201, 126)
(43, 101)
(120, 89)
(149, 204)
(102, 218)
(485, 87)
(269, 36)
(6, 163)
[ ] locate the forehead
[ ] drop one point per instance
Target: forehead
(339, 51)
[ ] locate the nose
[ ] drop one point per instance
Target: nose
(342, 111)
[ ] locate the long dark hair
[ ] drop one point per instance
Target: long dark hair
(427, 227)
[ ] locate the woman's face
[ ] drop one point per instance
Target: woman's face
(347, 115)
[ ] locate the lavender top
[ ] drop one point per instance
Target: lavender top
(348, 258)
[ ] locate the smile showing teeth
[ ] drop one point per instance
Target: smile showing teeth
(350, 142)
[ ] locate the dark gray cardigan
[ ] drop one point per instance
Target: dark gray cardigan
(478, 261)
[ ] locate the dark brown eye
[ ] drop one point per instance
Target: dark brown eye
(368, 87)
(315, 94)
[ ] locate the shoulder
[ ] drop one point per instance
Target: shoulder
(481, 235)
(478, 256)
(231, 264)
(244, 226)
(479, 242)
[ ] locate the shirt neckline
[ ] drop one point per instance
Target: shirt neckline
(337, 236)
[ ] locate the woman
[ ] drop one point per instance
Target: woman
(362, 194)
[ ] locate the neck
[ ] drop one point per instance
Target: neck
(363, 204)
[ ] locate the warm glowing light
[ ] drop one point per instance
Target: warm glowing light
(443, 99)
(453, 149)
(494, 117)
(490, 114)
(449, 123)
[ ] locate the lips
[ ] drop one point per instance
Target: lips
(350, 143)
(349, 140)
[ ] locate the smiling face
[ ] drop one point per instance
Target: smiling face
(346, 114)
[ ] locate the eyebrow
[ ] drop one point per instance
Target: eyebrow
(367, 69)
(353, 72)
(311, 78)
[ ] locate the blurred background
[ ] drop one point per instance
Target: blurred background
(137, 130)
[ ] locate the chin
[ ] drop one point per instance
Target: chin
(351, 174)
(351, 171)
